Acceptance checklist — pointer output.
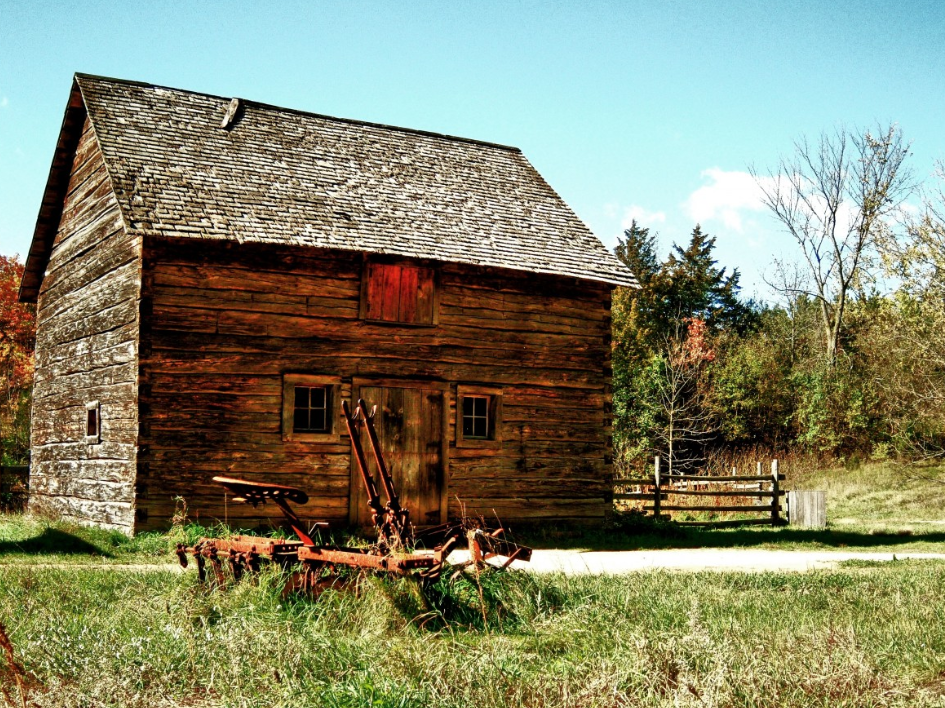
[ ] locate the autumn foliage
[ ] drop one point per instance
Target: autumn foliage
(695, 349)
(17, 336)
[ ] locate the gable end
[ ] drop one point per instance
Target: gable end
(50, 211)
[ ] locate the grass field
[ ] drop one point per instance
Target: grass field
(89, 633)
(879, 497)
(858, 636)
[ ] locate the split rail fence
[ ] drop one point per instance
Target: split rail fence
(14, 487)
(730, 494)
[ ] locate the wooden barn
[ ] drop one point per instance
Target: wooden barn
(213, 277)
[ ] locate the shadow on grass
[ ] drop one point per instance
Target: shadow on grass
(660, 536)
(53, 542)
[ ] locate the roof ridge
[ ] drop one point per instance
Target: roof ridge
(296, 111)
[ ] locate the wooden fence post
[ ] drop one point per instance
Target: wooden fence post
(775, 495)
(656, 487)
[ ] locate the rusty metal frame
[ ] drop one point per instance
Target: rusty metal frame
(394, 552)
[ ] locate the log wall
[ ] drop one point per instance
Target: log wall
(87, 350)
(224, 321)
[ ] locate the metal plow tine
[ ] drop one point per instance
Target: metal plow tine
(217, 565)
(201, 566)
(251, 562)
(236, 565)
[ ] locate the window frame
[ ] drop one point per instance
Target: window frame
(96, 437)
(368, 273)
(475, 416)
(494, 440)
(332, 386)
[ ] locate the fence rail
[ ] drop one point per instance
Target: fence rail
(659, 488)
(14, 487)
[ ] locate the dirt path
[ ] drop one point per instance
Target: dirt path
(617, 562)
(130, 567)
(745, 560)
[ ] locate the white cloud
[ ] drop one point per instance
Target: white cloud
(635, 212)
(725, 198)
(4, 101)
(910, 210)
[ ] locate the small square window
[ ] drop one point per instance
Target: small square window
(310, 407)
(476, 417)
(479, 416)
(93, 423)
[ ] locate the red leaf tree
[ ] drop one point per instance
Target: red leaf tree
(17, 337)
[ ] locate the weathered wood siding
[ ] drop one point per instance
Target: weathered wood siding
(224, 321)
(86, 350)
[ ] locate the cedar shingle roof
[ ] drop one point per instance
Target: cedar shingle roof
(286, 177)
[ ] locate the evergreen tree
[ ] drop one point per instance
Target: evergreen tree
(634, 308)
(637, 249)
(687, 290)
(633, 344)
(691, 286)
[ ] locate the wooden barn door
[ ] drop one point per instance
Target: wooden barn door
(411, 427)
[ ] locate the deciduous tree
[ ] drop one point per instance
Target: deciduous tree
(685, 423)
(17, 334)
(835, 198)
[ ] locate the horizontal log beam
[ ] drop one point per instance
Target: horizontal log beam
(665, 507)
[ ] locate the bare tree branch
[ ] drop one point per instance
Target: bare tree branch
(835, 199)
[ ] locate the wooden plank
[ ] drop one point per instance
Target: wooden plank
(522, 284)
(254, 280)
(807, 509)
(657, 482)
(775, 477)
(389, 288)
(427, 299)
(408, 296)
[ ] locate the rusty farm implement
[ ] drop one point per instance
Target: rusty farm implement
(398, 549)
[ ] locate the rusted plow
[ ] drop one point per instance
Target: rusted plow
(314, 567)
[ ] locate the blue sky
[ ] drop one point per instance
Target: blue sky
(627, 108)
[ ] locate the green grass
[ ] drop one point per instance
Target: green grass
(25, 538)
(29, 539)
(90, 633)
(857, 636)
